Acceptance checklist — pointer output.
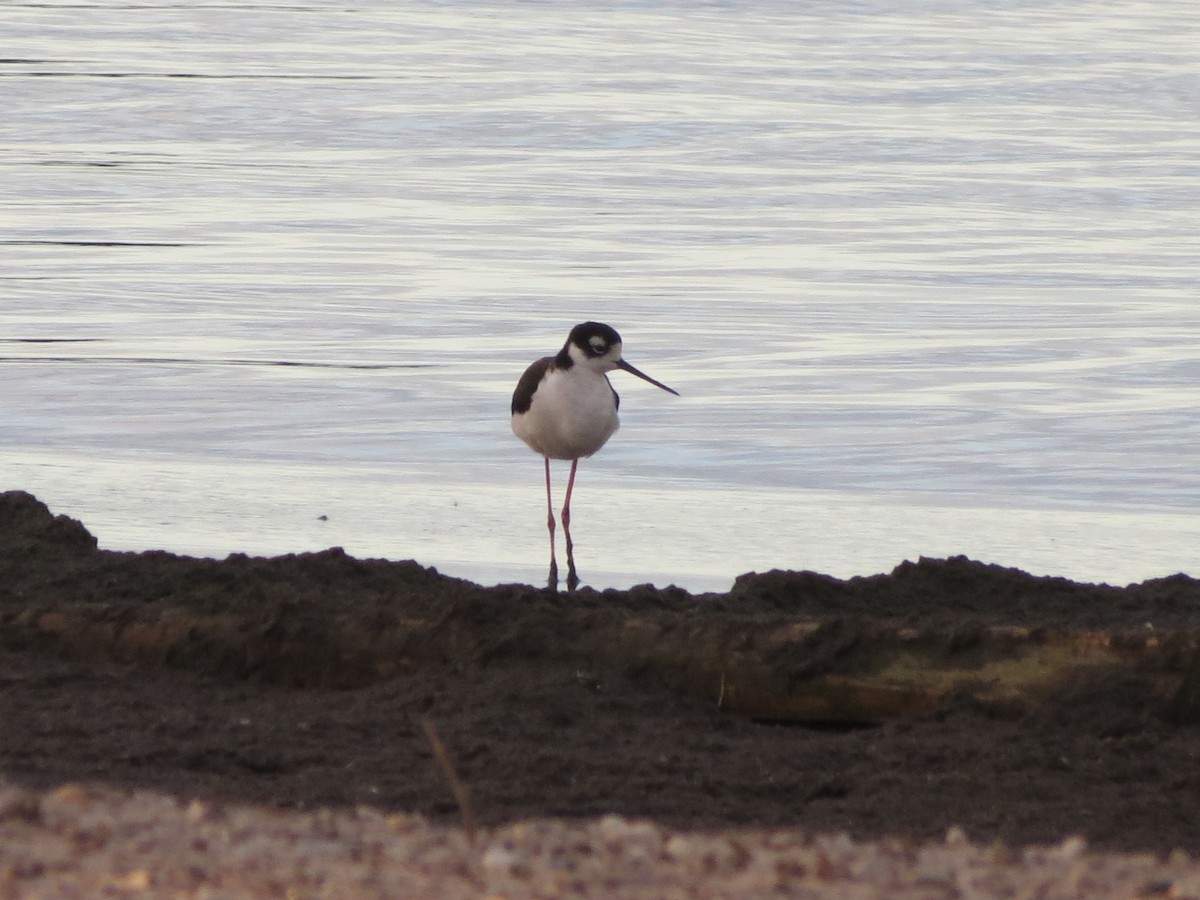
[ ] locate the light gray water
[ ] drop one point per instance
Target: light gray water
(926, 276)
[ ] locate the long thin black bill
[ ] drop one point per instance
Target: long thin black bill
(642, 375)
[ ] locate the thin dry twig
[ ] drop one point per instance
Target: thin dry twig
(461, 796)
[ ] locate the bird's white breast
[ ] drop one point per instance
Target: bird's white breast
(572, 415)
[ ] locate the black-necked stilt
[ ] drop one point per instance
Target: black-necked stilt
(565, 408)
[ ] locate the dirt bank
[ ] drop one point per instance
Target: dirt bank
(301, 682)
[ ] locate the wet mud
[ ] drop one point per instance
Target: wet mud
(945, 693)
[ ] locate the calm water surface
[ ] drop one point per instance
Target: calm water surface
(927, 279)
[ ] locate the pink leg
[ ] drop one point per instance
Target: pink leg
(553, 579)
(572, 578)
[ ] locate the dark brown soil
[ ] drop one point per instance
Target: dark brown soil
(271, 708)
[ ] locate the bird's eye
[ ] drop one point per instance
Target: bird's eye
(598, 345)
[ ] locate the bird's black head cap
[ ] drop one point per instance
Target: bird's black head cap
(593, 338)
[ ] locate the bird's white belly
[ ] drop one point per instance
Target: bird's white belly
(573, 414)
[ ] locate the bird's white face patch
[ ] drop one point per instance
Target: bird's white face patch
(597, 349)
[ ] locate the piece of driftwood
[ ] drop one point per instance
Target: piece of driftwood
(791, 672)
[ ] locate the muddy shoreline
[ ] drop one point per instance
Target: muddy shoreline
(300, 682)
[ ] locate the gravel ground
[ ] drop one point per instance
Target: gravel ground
(82, 841)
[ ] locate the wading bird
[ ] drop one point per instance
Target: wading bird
(565, 408)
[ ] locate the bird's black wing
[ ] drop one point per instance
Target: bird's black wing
(528, 385)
